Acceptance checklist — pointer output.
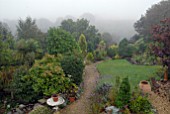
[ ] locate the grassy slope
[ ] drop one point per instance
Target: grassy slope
(111, 68)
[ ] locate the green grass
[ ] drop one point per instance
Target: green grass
(111, 68)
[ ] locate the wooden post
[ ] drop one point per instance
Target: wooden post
(166, 75)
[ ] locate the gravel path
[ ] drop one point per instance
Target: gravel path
(81, 106)
(160, 99)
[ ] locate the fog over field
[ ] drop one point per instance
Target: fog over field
(114, 16)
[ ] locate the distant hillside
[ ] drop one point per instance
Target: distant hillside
(117, 28)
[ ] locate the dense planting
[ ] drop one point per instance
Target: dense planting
(119, 87)
(28, 74)
(49, 77)
(36, 65)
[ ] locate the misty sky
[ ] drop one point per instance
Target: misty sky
(52, 9)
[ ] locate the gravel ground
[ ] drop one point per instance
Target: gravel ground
(82, 105)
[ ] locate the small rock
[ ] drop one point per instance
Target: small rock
(112, 109)
(56, 108)
(9, 112)
(42, 101)
(21, 106)
(16, 113)
(19, 111)
(37, 105)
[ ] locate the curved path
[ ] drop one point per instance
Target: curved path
(81, 106)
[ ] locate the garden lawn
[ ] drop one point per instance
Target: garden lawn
(111, 68)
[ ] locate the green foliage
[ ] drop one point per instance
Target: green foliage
(123, 95)
(73, 66)
(140, 46)
(6, 59)
(112, 95)
(81, 26)
(99, 55)
(112, 51)
(117, 56)
(41, 110)
(6, 44)
(126, 49)
(90, 57)
(140, 105)
(68, 25)
(126, 111)
(83, 44)
(5, 32)
(29, 45)
(117, 82)
(5, 50)
(123, 68)
(145, 59)
(48, 76)
(61, 42)
(28, 29)
(27, 51)
(152, 17)
(21, 86)
(100, 52)
(6, 74)
(114, 90)
(96, 103)
(101, 46)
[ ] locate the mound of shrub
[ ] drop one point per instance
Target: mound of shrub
(140, 105)
(73, 67)
(21, 86)
(49, 77)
